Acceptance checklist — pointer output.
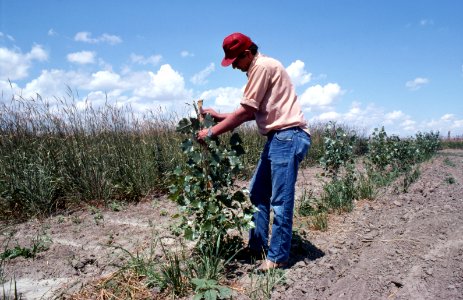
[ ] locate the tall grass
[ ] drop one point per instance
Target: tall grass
(60, 153)
(52, 156)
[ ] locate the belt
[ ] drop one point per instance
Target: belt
(272, 132)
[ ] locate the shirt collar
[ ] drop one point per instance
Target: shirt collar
(253, 62)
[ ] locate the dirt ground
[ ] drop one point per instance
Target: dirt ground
(398, 246)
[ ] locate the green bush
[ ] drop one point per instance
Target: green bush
(204, 186)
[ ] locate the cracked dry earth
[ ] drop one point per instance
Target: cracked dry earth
(402, 245)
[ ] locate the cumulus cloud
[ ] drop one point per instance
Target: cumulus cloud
(391, 117)
(320, 96)
(416, 83)
(185, 53)
(448, 117)
(298, 74)
(151, 60)
(142, 90)
(225, 98)
(52, 83)
(367, 118)
(82, 57)
(86, 37)
(104, 80)
(165, 85)
(408, 125)
(201, 76)
(15, 65)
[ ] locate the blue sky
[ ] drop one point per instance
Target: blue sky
(391, 63)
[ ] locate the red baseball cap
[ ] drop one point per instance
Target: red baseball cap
(234, 45)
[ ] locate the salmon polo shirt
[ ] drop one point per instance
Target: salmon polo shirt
(269, 90)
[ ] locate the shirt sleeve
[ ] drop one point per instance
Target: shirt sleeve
(256, 87)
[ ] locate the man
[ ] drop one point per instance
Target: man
(270, 99)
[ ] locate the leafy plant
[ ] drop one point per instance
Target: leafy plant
(209, 289)
(204, 187)
(340, 192)
(338, 149)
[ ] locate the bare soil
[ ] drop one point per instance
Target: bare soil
(402, 245)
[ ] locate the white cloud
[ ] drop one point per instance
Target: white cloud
(225, 99)
(391, 117)
(104, 80)
(448, 117)
(7, 36)
(185, 53)
(328, 116)
(140, 59)
(166, 85)
(408, 125)
(426, 22)
(298, 75)
(53, 83)
(320, 96)
(201, 76)
(416, 83)
(366, 119)
(83, 57)
(15, 65)
(86, 37)
(52, 32)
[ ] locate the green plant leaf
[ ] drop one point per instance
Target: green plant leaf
(210, 295)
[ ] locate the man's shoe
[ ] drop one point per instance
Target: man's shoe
(268, 265)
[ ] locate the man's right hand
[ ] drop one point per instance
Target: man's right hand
(215, 115)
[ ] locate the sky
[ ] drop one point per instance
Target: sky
(364, 63)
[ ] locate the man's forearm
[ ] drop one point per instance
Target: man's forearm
(221, 117)
(233, 120)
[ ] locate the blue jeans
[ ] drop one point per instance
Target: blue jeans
(273, 187)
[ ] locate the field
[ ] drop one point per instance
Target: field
(357, 234)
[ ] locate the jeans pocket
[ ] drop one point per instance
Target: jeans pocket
(285, 135)
(303, 146)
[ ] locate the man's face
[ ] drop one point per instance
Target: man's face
(243, 61)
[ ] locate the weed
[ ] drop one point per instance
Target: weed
(450, 180)
(306, 203)
(116, 206)
(409, 178)
(11, 293)
(366, 187)
(207, 262)
(97, 214)
(320, 221)
(261, 285)
(173, 274)
(449, 162)
(209, 289)
(40, 242)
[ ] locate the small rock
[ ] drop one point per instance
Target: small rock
(397, 203)
(300, 264)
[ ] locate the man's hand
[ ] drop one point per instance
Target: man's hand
(206, 132)
(215, 115)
